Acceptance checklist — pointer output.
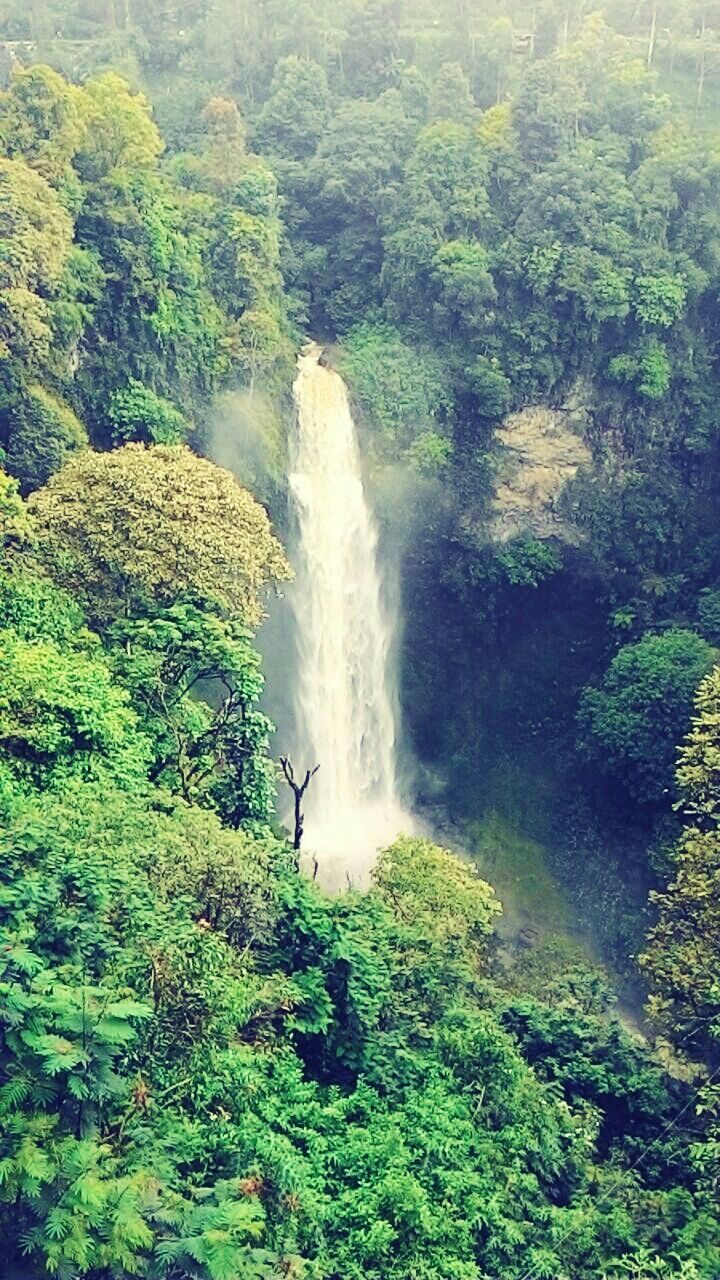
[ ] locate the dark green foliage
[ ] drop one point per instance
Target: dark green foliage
(600, 1063)
(398, 387)
(44, 432)
(137, 413)
(195, 682)
(708, 610)
(632, 724)
(180, 1012)
(295, 115)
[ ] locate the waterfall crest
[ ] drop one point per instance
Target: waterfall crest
(345, 704)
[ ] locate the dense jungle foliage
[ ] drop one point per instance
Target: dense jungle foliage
(210, 1069)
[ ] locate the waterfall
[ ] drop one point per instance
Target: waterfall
(345, 704)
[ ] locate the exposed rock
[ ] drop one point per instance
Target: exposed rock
(541, 450)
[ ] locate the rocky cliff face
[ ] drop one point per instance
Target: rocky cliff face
(540, 451)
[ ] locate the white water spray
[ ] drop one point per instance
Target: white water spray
(345, 706)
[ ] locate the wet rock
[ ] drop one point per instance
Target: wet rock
(540, 451)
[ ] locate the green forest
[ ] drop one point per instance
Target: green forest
(502, 221)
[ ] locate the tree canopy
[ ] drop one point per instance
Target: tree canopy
(149, 523)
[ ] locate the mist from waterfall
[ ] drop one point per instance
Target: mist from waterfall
(345, 704)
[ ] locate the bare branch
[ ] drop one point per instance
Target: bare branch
(298, 791)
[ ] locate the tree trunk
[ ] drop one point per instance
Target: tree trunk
(701, 68)
(653, 35)
(298, 789)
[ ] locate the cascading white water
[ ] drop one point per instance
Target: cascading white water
(344, 704)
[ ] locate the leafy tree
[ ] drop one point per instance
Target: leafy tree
(36, 236)
(44, 434)
(119, 132)
(242, 228)
(660, 299)
(195, 681)
(546, 110)
(647, 368)
(157, 313)
(40, 123)
(430, 452)
(153, 523)
(451, 96)
(429, 886)
(681, 958)
(357, 165)
(15, 524)
(138, 414)
(443, 199)
(398, 386)
(708, 611)
(633, 722)
(62, 716)
(466, 285)
(370, 48)
(225, 131)
(296, 112)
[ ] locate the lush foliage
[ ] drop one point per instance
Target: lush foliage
(125, 286)
(642, 710)
(139, 524)
(212, 1070)
(682, 956)
(208, 1068)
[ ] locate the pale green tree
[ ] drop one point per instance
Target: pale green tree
(155, 523)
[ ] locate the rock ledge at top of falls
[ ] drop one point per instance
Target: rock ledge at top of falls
(539, 451)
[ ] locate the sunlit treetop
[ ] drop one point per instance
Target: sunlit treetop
(156, 523)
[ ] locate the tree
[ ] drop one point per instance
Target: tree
(15, 524)
(195, 682)
(156, 522)
(36, 236)
(357, 166)
(43, 435)
(298, 789)
(40, 123)
(295, 115)
(400, 387)
(451, 96)
(156, 321)
(62, 716)
(632, 723)
(465, 283)
(443, 198)
(118, 130)
(224, 129)
(243, 231)
(427, 885)
(138, 414)
(574, 239)
(682, 956)
(493, 72)
(546, 109)
(371, 47)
